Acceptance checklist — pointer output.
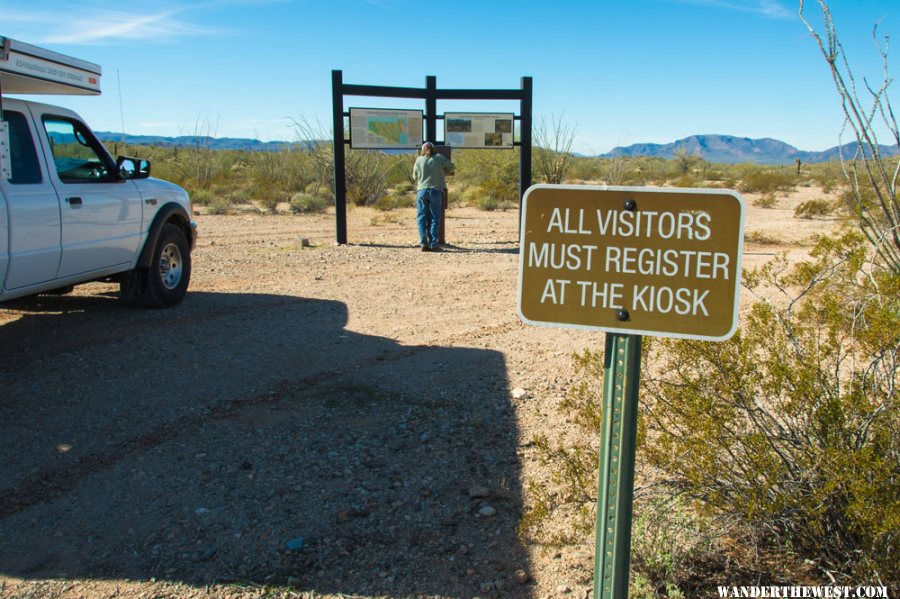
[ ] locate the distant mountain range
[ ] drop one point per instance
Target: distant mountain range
(730, 149)
(713, 148)
(213, 143)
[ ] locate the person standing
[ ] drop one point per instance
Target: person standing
(429, 171)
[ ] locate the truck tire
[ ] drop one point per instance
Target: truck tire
(166, 281)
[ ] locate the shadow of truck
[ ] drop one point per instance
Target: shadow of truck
(251, 438)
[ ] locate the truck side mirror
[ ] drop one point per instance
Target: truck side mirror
(133, 168)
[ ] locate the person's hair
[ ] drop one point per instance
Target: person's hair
(427, 148)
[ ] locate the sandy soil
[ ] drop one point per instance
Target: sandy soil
(322, 421)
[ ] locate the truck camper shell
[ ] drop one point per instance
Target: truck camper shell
(27, 69)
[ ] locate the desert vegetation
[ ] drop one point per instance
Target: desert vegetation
(300, 178)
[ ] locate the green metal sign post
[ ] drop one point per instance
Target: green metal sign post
(615, 486)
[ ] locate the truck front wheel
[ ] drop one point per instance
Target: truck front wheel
(166, 281)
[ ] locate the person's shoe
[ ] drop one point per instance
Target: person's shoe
(435, 248)
(425, 248)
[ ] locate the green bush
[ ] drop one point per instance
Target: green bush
(267, 197)
(367, 176)
(669, 541)
(785, 438)
(588, 169)
(405, 187)
(757, 236)
(689, 180)
(767, 181)
(813, 209)
(791, 428)
(202, 197)
(766, 200)
(491, 203)
(392, 202)
(237, 195)
(472, 195)
(218, 204)
(304, 203)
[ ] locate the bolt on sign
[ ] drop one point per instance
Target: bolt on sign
(634, 260)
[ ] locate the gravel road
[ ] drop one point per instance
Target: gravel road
(322, 421)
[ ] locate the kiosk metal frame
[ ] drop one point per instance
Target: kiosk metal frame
(431, 94)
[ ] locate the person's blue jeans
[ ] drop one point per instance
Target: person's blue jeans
(428, 204)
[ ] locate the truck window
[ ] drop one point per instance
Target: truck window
(25, 167)
(76, 153)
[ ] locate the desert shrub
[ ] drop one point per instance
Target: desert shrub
(635, 175)
(791, 429)
(828, 176)
(367, 176)
(392, 202)
(305, 203)
(684, 162)
(495, 171)
(399, 175)
(588, 169)
(317, 188)
(786, 437)
(202, 197)
(766, 200)
(688, 180)
(813, 209)
(715, 173)
(367, 172)
(218, 204)
(757, 236)
(866, 117)
(472, 195)
(767, 181)
(669, 540)
(491, 203)
(287, 169)
(267, 197)
(237, 195)
(551, 157)
(405, 187)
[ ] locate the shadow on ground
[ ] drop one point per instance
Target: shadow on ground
(472, 248)
(251, 438)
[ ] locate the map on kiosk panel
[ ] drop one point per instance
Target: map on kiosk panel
(634, 260)
(374, 128)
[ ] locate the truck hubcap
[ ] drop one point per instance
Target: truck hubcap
(170, 266)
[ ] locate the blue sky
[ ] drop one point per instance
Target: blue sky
(621, 72)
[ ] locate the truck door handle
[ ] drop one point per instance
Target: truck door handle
(74, 201)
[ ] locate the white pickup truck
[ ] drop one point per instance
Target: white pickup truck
(69, 212)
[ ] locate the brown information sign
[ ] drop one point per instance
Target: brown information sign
(635, 260)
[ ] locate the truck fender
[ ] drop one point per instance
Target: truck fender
(170, 212)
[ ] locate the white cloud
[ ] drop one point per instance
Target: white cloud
(767, 8)
(75, 23)
(108, 26)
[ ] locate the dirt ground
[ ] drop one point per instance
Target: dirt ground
(322, 421)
